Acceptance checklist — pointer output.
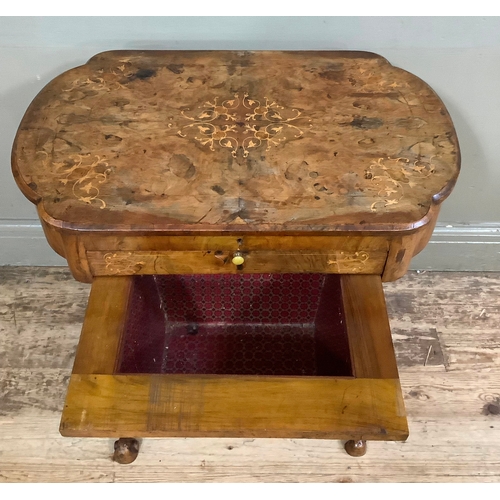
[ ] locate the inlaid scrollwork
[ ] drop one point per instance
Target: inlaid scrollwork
(122, 264)
(84, 174)
(241, 123)
(349, 262)
(391, 176)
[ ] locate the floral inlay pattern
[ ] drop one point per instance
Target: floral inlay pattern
(118, 263)
(241, 123)
(352, 262)
(98, 83)
(84, 175)
(391, 175)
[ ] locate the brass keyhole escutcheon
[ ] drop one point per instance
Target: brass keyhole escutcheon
(238, 259)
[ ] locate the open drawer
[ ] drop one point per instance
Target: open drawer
(257, 355)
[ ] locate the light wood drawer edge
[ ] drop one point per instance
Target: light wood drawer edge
(237, 406)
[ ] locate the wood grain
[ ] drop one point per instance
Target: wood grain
(236, 141)
(103, 326)
(218, 262)
(451, 439)
(96, 253)
(238, 406)
(347, 241)
(461, 312)
(135, 147)
(368, 327)
(205, 405)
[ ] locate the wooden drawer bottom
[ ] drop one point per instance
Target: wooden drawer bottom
(257, 355)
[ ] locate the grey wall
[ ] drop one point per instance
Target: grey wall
(459, 57)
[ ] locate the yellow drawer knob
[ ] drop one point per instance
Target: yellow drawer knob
(238, 259)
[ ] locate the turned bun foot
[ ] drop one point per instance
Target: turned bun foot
(126, 450)
(355, 448)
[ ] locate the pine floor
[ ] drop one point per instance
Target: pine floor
(446, 330)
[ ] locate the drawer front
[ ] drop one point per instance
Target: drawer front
(221, 262)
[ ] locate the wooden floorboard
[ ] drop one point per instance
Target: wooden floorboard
(446, 332)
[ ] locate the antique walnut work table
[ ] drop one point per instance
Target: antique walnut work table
(236, 214)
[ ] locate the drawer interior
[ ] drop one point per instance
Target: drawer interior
(247, 324)
(254, 355)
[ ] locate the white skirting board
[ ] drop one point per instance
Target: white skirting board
(22, 243)
(460, 247)
(456, 247)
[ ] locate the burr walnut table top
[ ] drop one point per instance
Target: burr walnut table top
(236, 141)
